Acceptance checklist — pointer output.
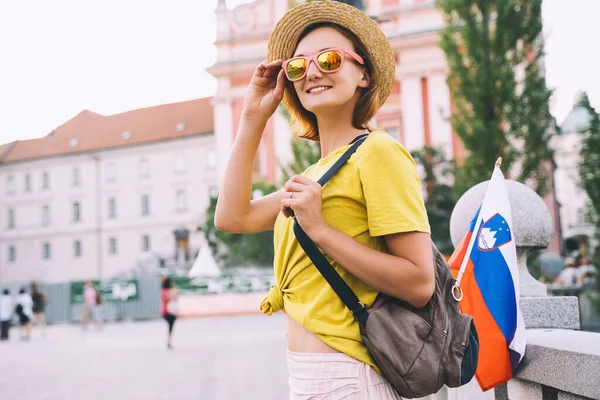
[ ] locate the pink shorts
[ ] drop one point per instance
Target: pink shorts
(335, 376)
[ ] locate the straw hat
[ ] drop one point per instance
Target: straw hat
(284, 37)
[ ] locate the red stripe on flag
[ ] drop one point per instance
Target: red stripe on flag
(493, 366)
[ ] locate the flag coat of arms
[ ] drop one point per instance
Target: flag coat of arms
(485, 266)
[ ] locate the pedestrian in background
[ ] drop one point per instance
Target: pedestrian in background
(24, 310)
(568, 275)
(39, 307)
(586, 271)
(90, 305)
(6, 313)
(170, 306)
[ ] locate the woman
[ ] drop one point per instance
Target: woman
(39, 306)
(90, 306)
(332, 67)
(169, 309)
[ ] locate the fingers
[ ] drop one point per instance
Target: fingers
(287, 206)
(272, 69)
(291, 187)
(268, 69)
(279, 86)
(303, 181)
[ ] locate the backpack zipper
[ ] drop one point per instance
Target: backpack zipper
(446, 321)
(466, 334)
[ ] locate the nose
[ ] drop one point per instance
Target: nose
(313, 72)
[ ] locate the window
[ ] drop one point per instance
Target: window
(77, 248)
(10, 184)
(110, 171)
(76, 177)
(11, 219)
(144, 169)
(145, 204)
(45, 181)
(181, 200)
(12, 253)
(46, 251)
(112, 208)
(112, 246)
(212, 159)
(76, 211)
(145, 243)
(179, 163)
(27, 183)
(45, 215)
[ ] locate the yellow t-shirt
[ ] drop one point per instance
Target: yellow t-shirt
(377, 192)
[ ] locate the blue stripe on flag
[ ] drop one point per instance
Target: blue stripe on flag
(474, 220)
(496, 285)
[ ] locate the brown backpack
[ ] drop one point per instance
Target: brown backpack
(418, 349)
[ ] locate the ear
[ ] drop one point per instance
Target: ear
(365, 80)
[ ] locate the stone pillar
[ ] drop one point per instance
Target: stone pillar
(532, 227)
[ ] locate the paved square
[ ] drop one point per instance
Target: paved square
(217, 358)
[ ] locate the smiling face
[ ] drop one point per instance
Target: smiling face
(319, 91)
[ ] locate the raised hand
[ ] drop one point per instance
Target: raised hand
(265, 91)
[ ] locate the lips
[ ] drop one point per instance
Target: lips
(318, 89)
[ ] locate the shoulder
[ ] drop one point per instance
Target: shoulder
(384, 145)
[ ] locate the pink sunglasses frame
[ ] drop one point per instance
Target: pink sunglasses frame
(314, 58)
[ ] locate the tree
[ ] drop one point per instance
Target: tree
(495, 114)
(589, 176)
(438, 198)
(237, 249)
(306, 153)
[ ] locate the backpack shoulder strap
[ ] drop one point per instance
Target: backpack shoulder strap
(336, 282)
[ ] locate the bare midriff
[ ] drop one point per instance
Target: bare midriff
(301, 340)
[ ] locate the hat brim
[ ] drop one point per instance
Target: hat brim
(284, 38)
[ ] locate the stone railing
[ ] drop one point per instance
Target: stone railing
(560, 361)
(588, 315)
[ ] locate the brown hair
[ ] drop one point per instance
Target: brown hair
(304, 122)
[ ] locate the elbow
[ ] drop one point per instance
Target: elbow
(424, 294)
(224, 224)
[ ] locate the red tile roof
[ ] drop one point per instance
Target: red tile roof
(89, 131)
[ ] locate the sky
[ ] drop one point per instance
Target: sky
(60, 57)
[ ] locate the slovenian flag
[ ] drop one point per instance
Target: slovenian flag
(485, 266)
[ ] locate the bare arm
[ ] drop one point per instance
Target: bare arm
(407, 273)
(236, 211)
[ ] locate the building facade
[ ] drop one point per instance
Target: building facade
(102, 195)
(416, 113)
(577, 230)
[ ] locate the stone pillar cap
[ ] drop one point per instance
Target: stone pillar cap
(532, 224)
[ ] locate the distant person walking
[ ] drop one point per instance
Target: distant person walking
(587, 272)
(6, 314)
(24, 310)
(170, 306)
(90, 305)
(39, 306)
(568, 276)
